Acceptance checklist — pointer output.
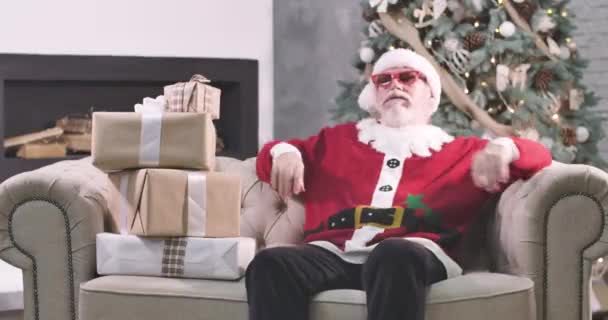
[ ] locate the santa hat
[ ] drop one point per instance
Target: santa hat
(402, 58)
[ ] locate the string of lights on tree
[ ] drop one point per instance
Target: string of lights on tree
(508, 67)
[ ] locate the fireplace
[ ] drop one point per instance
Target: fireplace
(37, 90)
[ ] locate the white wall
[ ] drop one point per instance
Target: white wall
(163, 28)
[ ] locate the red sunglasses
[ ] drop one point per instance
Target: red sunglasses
(407, 77)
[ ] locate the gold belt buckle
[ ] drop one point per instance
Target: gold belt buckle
(396, 211)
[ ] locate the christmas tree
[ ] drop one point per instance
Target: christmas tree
(508, 67)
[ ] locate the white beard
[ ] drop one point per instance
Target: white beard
(397, 117)
(402, 142)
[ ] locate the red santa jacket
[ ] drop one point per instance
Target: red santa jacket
(433, 197)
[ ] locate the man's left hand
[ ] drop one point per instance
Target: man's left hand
(490, 167)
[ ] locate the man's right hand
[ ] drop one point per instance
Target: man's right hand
(287, 175)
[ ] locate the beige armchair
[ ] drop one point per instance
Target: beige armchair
(542, 239)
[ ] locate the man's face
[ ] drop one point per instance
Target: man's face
(403, 97)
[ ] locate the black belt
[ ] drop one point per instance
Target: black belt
(354, 218)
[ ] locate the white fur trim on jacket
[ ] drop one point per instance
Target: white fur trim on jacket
(402, 58)
(403, 142)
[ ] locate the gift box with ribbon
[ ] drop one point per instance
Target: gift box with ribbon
(175, 203)
(126, 140)
(203, 258)
(195, 95)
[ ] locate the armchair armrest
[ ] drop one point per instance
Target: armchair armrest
(48, 221)
(550, 229)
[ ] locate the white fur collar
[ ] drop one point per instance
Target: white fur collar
(402, 142)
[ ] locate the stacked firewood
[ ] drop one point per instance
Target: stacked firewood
(71, 135)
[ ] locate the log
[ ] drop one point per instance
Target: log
(75, 124)
(78, 142)
(42, 150)
(32, 137)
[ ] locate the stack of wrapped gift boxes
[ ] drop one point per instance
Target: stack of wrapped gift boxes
(171, 215)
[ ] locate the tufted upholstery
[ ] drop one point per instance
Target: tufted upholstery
(48, 222)
(547, 229)
(265, 216)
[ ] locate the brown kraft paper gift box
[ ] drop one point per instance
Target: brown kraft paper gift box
(183, 140)
(158, 203)
(195, 95)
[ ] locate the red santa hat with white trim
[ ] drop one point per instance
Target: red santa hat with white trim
(402, 58)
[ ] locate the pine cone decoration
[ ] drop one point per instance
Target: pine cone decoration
(370, 14)
(525, 9)
(568, 136)
(542, 79)
(474, 41)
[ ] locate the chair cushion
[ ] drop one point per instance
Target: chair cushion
(471, 296)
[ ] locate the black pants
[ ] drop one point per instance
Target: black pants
(280, 281)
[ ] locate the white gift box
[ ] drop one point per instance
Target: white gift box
(11, 288)
(203, 258)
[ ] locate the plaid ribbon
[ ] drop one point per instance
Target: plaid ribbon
(173, 257)
(178, 95)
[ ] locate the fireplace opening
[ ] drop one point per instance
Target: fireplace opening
(48, 101)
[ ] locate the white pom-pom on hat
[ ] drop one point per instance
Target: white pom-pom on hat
(402, 58)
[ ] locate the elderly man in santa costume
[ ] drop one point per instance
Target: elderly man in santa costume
(387, 199)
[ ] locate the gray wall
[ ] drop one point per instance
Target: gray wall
(591, 38)
(315, 42)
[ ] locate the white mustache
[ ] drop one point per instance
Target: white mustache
(400, 95)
